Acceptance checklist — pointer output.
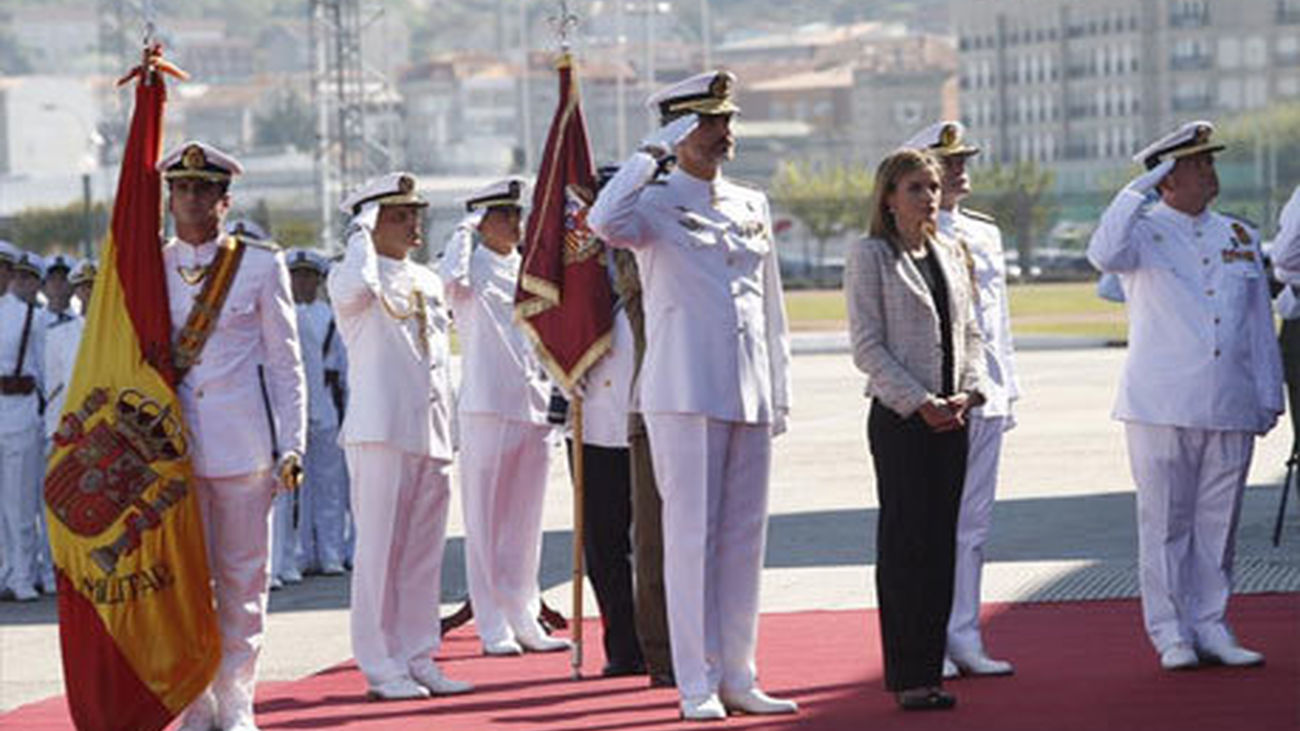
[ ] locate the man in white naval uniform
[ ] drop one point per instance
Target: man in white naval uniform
(1203, 377)
(505, 440)
(240, 457)
(714, 386)
(82, 279)
(62, 339)
(397, 435)
(321, 501)
(981, 243)
(22, 360)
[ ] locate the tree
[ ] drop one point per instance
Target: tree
(1261, 161)
(829, 200)
(54, 229)
(1021, 197)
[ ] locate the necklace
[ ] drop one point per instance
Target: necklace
(192, 275)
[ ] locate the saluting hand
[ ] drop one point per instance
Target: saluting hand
(661, 142)
(1146, 182)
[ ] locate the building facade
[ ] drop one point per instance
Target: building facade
(1082, 85)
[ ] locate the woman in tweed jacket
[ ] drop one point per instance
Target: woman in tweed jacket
(914, 334)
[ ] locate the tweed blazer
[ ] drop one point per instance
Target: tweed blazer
(894, 327)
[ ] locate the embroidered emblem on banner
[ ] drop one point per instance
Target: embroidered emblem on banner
(109, 470)
(579, 243)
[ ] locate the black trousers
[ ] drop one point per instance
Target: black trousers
(607, 546)
(919, 477)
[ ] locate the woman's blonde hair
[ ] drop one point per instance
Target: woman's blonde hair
(891, 170)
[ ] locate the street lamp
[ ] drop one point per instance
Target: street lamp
(89, 163)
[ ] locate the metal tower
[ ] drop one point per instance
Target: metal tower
(343, 86)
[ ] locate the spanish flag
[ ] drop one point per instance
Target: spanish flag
(136, 616)
(564, 300)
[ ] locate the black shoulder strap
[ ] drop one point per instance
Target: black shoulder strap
(22, 344)
(329, 339)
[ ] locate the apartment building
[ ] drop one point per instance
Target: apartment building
(1080, 85)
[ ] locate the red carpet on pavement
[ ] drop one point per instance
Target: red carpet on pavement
(1079, 665)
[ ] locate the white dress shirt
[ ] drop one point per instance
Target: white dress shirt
(62, 340)
(984, 242)
(399, 381)
(716, 340)
(221, 395)
(21, 413)
(501, 373)
(1202, 350)
(314, 320)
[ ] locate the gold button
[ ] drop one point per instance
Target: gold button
(1209, 293)
(1198, 234)
(1216, 321)
(1216, 352)
(1206, 261)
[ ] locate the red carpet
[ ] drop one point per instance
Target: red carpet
(1079, 665)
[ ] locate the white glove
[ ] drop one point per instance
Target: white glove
(1146, 182)
(368, 216)
(662, 141)
(472, 219)
(1291, 210)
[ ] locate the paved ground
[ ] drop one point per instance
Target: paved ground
(1064, 522)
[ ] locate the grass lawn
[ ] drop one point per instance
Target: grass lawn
(1067, 308)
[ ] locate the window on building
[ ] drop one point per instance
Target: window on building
(1256, 93)
(1255, 52)
(1288, 86)
(1229, 53)
(1288, 50)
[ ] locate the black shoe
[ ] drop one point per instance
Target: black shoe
(925, 699)
(663, 680)
(619, 669)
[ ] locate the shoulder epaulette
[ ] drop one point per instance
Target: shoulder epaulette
(264, 244)
(978, 215)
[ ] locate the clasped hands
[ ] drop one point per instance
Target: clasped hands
(943, 414)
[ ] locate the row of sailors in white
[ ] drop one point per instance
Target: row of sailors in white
(36, 368)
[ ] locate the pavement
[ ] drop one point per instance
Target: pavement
(1063, 525)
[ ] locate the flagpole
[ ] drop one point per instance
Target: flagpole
(579, 530)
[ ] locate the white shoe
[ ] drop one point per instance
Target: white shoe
(401, 688)
(978, 663)
(1178, 657)
(537, 641)
(502, 648)
(275, 584)
(26, 593)
(1229, 653)
(757, 703)
(332, 568)
(291, 576)
(431, 677)
(704, 708)
(950, 670)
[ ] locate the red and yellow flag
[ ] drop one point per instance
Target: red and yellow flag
(564, 300)
(136, 617)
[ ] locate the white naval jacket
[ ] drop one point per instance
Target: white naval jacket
(984, 242)
(1202, 351)
(21, 413)
(609, 389)
(62, 340)
(314, 320)
(500, 372)
(398, 394)
(716, 339)
(220, 395)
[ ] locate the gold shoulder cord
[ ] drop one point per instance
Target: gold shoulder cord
(417, 311)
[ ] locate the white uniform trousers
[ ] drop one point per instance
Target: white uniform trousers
(1189, 488)
(503, 467)
(321, 502)
(21, 468)
(284, 534)
(400, 501)
(237, 525)
(973, 522)
(713, 477)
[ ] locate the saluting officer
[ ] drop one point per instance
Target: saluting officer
(505, 440)
(980, 242)
(397, 435)
(1202, 379)
(321, 509)
(22, 359)
(714, 387)
(232, 315)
